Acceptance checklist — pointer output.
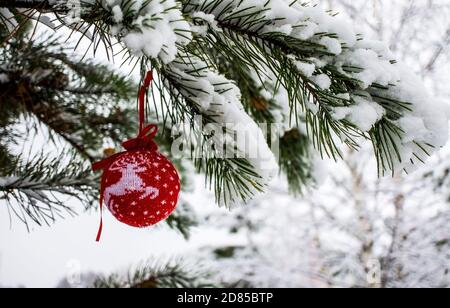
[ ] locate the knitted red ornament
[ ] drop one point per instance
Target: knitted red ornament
(139, 186)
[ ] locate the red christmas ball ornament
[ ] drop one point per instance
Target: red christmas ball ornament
(140, 186)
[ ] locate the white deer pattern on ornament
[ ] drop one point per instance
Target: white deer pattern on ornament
(130, 182)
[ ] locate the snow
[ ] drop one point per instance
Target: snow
(323, 81)
(117, 14)
(202, 30)
(374, 69)
(220, 99)
(364, 113)
(7, 181)
(157, 30)
(45, 20)
(7, 19)
(333, 45)
(370, 62)
(208, 18)
(307, 69)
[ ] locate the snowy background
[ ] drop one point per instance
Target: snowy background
(354, 230)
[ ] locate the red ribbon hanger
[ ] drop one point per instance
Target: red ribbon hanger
(144, 140)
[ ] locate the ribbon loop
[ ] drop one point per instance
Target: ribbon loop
(150, 131)
(148, 80)
(144, 140)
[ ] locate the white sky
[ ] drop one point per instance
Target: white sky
(44, 256)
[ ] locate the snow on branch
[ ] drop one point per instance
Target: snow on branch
(345, 79)
(34, 190)
(7, 19)
(218, 100)
(147, 28)
(341, 85)
(150, 28)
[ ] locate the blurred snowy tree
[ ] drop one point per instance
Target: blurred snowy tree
(354, 231)
(357, 230)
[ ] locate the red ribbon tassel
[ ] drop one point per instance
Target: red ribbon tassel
(144, 140)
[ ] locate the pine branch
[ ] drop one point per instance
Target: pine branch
(240, 33)
(235, 178)
(182, 220)
(323, 71)
(42, 78)
(173, 274)
(34, 190)
(322, 126)
(296, 160)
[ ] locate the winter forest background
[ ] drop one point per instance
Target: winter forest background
(352, 230)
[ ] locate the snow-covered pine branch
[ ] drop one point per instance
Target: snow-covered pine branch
(218, 100)
(33, 189)
(341, 85)
(344, 79)
(155, 29)
(7, 19)
(176, 273)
